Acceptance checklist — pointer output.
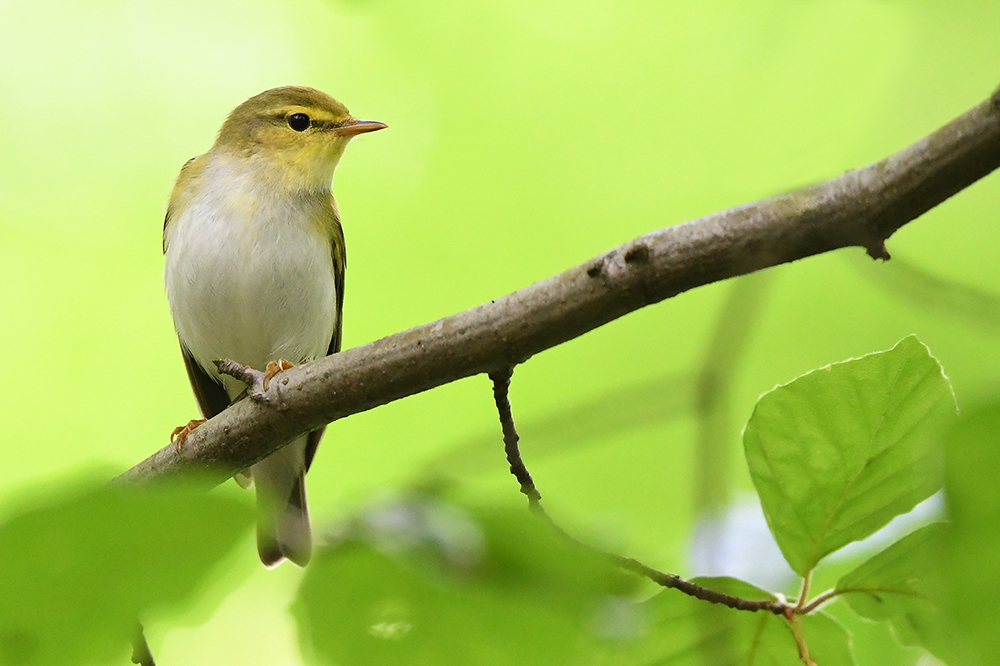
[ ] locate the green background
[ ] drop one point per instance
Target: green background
(525, 137)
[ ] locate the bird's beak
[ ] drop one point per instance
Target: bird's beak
(353, 127)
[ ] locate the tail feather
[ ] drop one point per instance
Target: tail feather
(283, 529)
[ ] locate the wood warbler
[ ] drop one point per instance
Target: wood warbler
(254, 272)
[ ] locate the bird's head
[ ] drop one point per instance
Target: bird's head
(297, 132)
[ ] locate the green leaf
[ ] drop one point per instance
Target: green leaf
(77, 575)
(873, 642)
(829, 642)
(898, 585)
(685, 631)
(972, 552)
(840, 451)
(938, 585)
(421, 582)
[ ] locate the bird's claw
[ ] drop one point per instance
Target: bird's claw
(273, 368)
(180, 433)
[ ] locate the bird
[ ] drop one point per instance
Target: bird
(254, 262)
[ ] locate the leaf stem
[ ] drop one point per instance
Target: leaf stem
(800, 640)
(818, 601)
(804, 593)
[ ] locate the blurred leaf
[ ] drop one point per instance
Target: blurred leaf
(77, 575)
(428, 583)
(425, 583)
(873, 642)
(683, 630)
(972, 548)
(933, 292)
(829, 643)
(592, 422)
(840, 451)
(895, 585)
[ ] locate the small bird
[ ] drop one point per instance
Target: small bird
(254, 272)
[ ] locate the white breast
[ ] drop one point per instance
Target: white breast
(247, 277)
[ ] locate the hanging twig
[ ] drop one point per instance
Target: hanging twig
(501, 387)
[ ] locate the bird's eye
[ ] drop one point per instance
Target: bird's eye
(298, 122)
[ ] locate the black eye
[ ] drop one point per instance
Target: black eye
(298, 122)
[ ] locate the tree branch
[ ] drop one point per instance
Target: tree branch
(862, 208)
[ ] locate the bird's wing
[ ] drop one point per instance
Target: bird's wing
(211, 395)
(189, 171)
(338, 251)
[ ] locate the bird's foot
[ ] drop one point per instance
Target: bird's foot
(273, 368)
(180, 433)
(255, 380)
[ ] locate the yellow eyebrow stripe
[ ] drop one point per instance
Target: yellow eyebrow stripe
(314, 113)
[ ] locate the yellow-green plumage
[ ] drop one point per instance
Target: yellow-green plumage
(255, 262)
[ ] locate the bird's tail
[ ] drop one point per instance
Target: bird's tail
(283, 529)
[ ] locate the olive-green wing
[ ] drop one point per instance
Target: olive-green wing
(188, 172)
(339, 253)
(339, 268)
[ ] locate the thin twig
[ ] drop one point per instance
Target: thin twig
(253, 378)
(705, 594)
(501, 386)
(713, 388)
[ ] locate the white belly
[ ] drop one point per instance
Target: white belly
(248, 286)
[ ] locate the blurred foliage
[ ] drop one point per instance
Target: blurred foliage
(524, 138)
(78, 574)
(421, 581)
(969, 556)
(425, 582)
(898, 585)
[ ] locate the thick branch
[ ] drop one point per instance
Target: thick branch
(859, 208)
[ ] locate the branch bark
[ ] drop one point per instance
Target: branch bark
(862, 208)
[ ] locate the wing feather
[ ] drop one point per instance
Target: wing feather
(188, 172)
(210, 394)
(338, 250)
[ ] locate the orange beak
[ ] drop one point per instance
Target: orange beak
(353, 127)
